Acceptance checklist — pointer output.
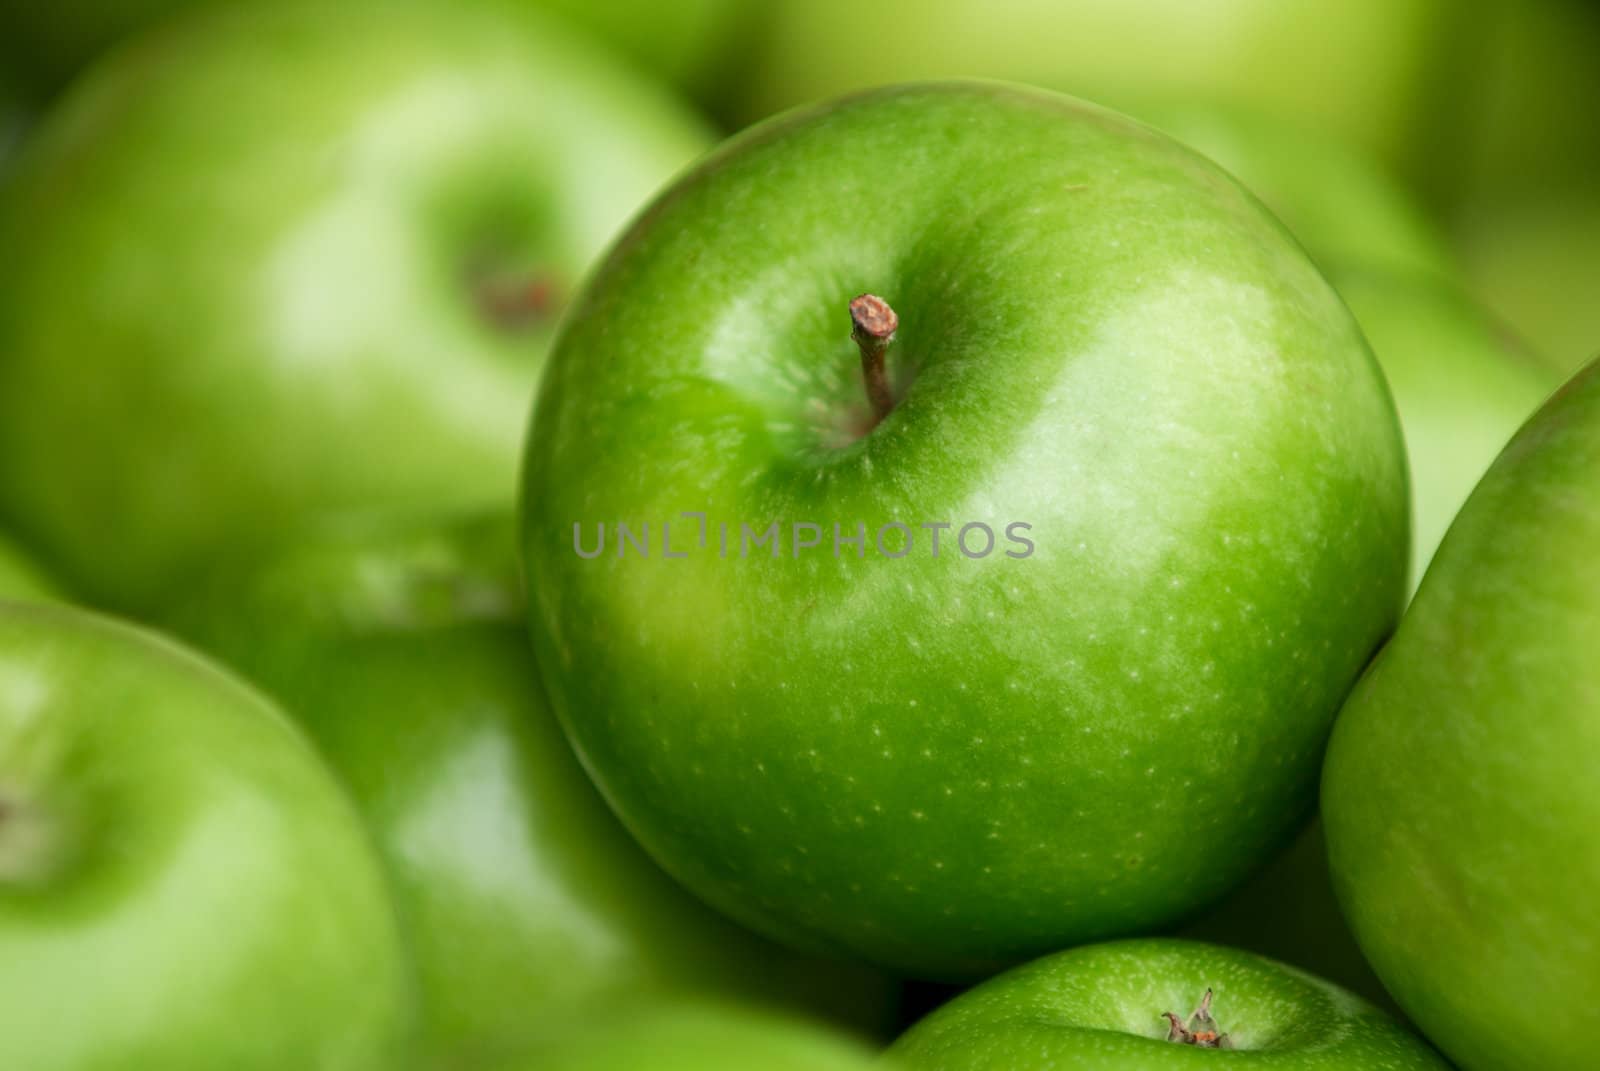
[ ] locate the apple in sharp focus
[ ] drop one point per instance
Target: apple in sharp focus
(255, 273)
(1145, 1005)
(1462, 779)
(400, 647)
(1105, 351)
(1364, 70)
(182, 883)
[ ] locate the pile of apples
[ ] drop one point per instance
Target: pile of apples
(954, 577)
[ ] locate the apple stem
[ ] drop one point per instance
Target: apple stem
(873, 324)
(1201, 1029)
(516, 304)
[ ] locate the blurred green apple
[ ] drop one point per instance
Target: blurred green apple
(1535, 260)
(1462, 384)
(20, 578)
(1527, 108)
(1462, 782)
(1148, 1005)
(682, 42)
(687, 43)
(951, 762)
(1363, 69)
(401, 649)
(701, 1038)
(254, 273)
(1340, 203)
(182, 884)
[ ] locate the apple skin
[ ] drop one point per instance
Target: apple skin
(20, 578)
(280, 322)
(1345, 208)
(1367, 71)
(400, 647)
(1462, 383)
(1481, 719)
(939, 764)
(182, 884)
(702, 1038)
(1099, 1008)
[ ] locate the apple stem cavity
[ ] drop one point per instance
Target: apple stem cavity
(1201, 1029)
(517, 304)
(873, 324)
(28, 843)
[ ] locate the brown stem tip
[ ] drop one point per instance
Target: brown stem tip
(872, 326)
(1200, 1030)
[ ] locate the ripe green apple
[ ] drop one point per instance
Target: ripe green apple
(701, 1038)
(182, 884)
(20, 578)
(400, 647)
(1341, 204)
(1462, 384)
(1462, 780)
(951, 763)
(254, 273)
(1365, 70)
(1126, 1006)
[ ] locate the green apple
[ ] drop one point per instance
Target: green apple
(400, 647)
(1342, 205)
(683, 42)
(182, 884)
(1462, 384)
(1535, 260)
(1109, 354)
(1143, 1005)
(688, 43)
(701, 1038)
(20, 578)
(1462, 779)
(1366, 70)
(254, 273)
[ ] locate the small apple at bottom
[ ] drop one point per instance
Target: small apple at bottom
(255, 274)
(970, 305)
(399, 645)
(1144, 1005)
(1462, 784)
(183, 885)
